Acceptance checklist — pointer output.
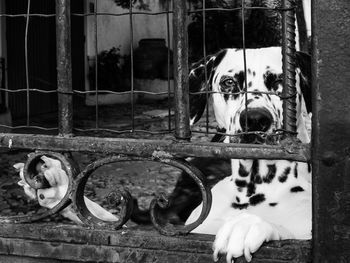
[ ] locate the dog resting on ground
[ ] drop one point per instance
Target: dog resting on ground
(263, 199)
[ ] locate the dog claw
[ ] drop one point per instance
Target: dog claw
(216, 255)
(247, 255)
(229, 258)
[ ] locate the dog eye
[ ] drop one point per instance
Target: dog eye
(228, 82)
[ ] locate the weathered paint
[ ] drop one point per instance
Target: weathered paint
(331, 126)
(64, 68)
(78, 244)
(181, 87)
(286, 151)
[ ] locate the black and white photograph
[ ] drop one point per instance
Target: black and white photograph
(174, 131)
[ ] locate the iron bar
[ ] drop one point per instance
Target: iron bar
(288, 60)
(64, 68)
(330, 131)
(132, 85)
(169, 64)
(26, 63)
(181, 87)
(297, 152)
(302, 28)
(96, 64)
(205, 68)
(245, 65)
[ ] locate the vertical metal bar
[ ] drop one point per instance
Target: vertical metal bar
(330, 131)
(132, 68)
(64, 68)
(205, 68)
(288, 60)
(26, 62)
(181, 87)
(302, 29)
(96, 64)
(245, 65)
(169, 64)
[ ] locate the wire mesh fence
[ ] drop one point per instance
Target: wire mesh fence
(108, 73)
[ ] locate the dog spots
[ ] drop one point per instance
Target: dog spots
(241, 183)
(273, 204)
(240, 206)
(249, 101)
(297, 189)
(250, 84)
(251, 189)
(257, 199)
(240, 78)
(284, 176)
(296, 170)
(309, 167)
(238, 199)
(271, 173)
(255, 176)
(242, 171)
(271, 80)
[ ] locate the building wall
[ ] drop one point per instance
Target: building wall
(113, 31)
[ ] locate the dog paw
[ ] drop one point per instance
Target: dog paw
(243, 235)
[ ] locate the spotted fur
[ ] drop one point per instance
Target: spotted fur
(263, 199)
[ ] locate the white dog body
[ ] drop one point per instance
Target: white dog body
(263, 199)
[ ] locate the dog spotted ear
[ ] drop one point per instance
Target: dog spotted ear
(303, 63)
(200, 81)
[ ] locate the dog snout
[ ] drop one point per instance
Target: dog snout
(256, 119)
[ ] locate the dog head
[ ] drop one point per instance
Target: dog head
(247, 99)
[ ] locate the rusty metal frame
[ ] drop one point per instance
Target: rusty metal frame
(298, 152)
(330, 130)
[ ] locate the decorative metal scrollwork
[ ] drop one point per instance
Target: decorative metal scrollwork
(161, 202)
(120, 197)
(37, 181)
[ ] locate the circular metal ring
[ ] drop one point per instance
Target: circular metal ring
(125, 200)
(161, 202)
(121, 197)
(68, 166)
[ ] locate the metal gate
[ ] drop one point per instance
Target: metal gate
(23, 241)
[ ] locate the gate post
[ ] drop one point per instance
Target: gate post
(64, 68)
(181, 88)
(331, 131)
(288, 61)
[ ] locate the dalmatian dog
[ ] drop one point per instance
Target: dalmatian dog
(262, 200)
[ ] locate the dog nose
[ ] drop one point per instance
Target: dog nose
(256, 119)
